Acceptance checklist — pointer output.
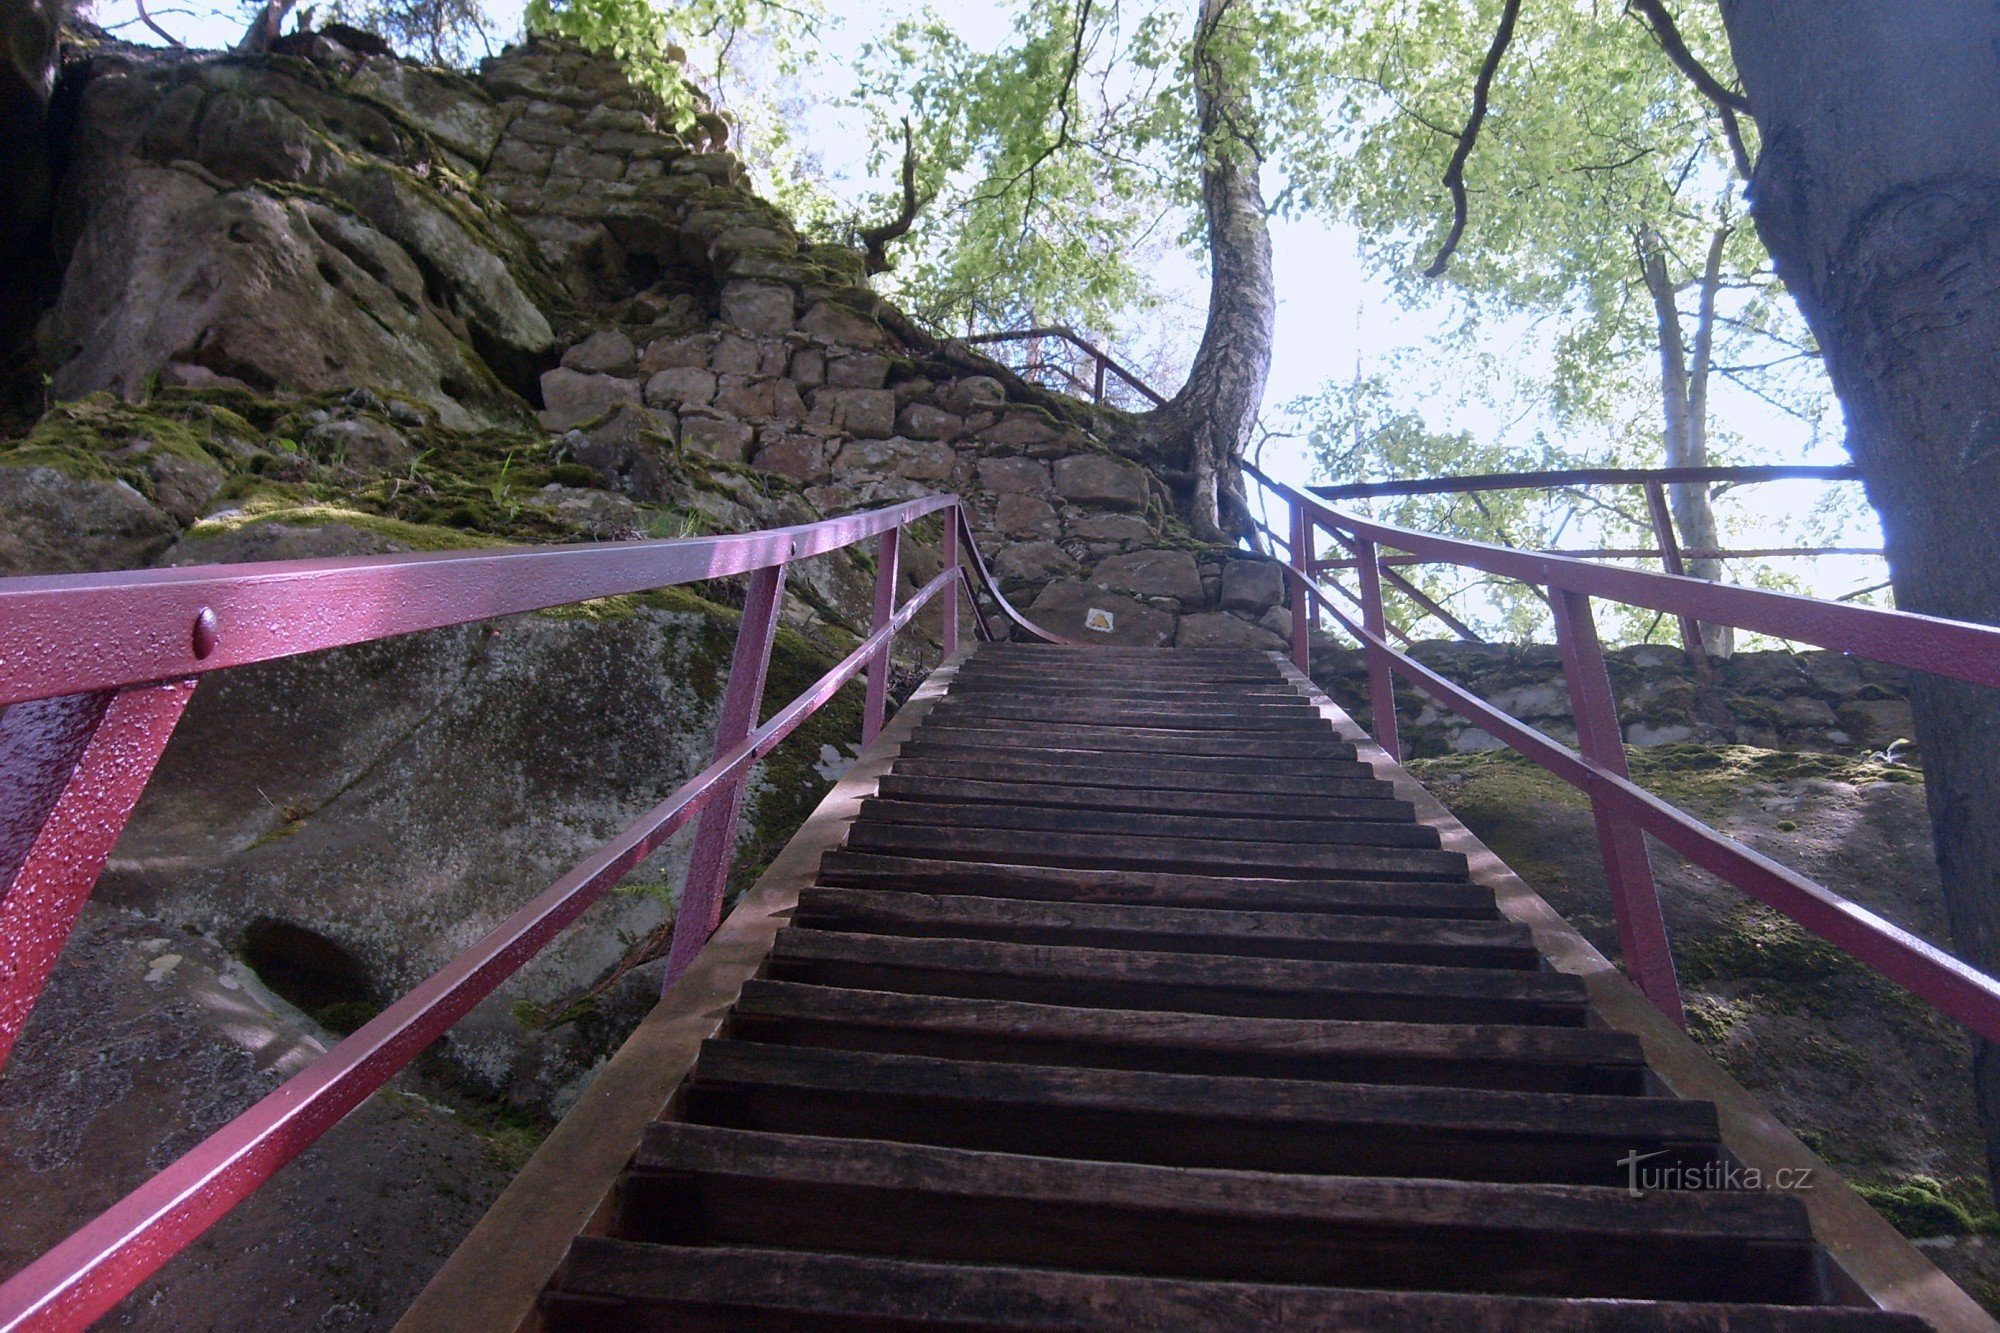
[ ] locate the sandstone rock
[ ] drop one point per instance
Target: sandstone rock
(841, 325)
(605, 352)
(1152, 574)
(53, 523)
(598, 513)
(618, 449)
(1031, 562)
(974, 393)
(716, 437)
(1089, 614)
(800, 457)
(1022, 476)
(680, 385)
(763, 307)
(180, 485)
(448, 107)
(1252, 585)
(1219, 629)
(858, 412)
(1111, 528)
(857, 370)
(1101, 480)
(1025, 518)
(362, 447)
(1878, 721)
(570, 397)
(924, 422)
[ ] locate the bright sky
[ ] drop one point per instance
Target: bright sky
(1331, 311)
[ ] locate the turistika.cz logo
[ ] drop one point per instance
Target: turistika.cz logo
(1641, 1180)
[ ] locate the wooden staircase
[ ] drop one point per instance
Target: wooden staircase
(1135, 1000)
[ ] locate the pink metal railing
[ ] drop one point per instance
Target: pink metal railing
(1624, 811)
(95, 670)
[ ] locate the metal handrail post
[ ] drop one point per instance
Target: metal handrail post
(715, 836)
(1628, 870)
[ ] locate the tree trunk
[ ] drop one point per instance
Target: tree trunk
(1878, 194)
(30, 39)
(1684, 395)
(1201, 433)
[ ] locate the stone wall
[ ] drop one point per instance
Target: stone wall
(1817, 701)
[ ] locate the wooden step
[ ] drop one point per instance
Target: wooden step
(1362, 800)
(1442, 943)
(1421, 898)
(921, 756)
(1161, 692)
(1183, 744)
(1518, 1057)
(1127, 851)
(1186, 983)
(1194, 715)
(631, 1287)
(710, 1185)
(1285, 833)
(1249, 1124)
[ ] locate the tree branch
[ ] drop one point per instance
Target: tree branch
(1727, 101)
(1454, 174)
(264, 29)
(158, 31)
(875, 240)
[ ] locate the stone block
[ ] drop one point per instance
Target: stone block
(761, 400)
(680, 385)
(764, 307)
(974, 393)
(1252, 585)
(1803, 710)
(1278, 620)
(800, 457)
(859, 412)
(1219, 629)
(857, 370)
(1032, 562)
(1110, 527)
(735, 355)
(1026, 517)
(808, 366)
(915, 460)
(1015, 476)
(841, 325)
(570, 397)
(1152, 574)
(924, 422)
(1019, 429)
(716, 437)
(605, 352)
(687, 351)
(1102, 481)
(1090, 614)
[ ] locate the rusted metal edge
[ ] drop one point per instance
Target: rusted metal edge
(496, 1276)
(1881, 1265)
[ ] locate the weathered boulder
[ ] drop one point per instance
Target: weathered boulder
(605, 352)
(1026, 476)
(55, 523)
(1026, 518)
(571, 397)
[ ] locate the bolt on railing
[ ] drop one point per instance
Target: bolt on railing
(95, 670)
